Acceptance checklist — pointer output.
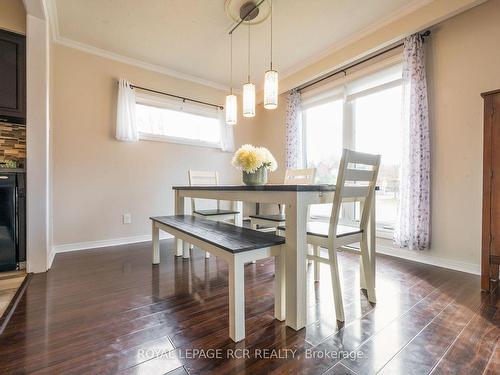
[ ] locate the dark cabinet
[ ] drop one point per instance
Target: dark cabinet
(12, 77)
(12, 220)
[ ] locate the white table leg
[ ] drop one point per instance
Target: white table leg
(238, 218)
(156, 243)
(178, 210)
(296, 250)
(236, 299)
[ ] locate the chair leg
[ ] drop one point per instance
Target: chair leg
(367, 271)
(337, 291)
(362, 280)
(316, 263)
(236, 299)
(310, 250)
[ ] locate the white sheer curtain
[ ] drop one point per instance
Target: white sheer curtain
(226, 133)
(413, 226)
(126, 126)
(293, 130)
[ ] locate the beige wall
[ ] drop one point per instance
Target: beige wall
(463, 60)
(13, 16)
(96, 178)
(462, 63)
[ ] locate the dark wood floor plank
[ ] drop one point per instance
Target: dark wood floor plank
(99, 311)
(339, 369)
(494, 362)
(379, 349)
(475, 347)
(421, 354)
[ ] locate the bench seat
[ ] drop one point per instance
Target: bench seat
(233, 244)
(222, 235)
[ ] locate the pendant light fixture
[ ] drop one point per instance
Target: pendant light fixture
(248, 88)
(271, 77)
(231, 100)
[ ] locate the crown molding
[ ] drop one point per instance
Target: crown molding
(57, 38)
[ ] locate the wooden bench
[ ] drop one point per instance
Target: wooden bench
(237, 246)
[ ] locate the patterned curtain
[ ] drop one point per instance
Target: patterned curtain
(293, 130)
(413, 227)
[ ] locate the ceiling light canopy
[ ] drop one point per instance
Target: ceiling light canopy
(237, 9)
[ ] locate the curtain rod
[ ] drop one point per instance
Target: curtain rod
(184, 99)
(356, 63)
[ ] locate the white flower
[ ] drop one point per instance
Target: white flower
(249, 158)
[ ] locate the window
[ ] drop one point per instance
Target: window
(377, 129)
(168, 120)
(364, 115)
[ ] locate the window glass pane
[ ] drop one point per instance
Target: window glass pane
(166, 122)
(323, 134)
(323, 138)
(377, 129)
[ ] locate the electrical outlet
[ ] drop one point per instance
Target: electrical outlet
(127, 218)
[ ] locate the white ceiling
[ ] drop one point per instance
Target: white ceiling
(191, 36)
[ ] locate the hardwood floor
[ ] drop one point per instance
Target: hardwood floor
(110, 311)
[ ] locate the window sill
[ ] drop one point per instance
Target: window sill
(181, 141)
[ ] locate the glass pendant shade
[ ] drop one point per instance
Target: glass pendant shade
(249, 100)
(231, 109)
(271, 89)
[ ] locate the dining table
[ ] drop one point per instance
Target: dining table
(297, 199)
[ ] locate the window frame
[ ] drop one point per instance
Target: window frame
(331, 93)
(172, 104)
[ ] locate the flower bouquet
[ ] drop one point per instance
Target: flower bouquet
(254, 162)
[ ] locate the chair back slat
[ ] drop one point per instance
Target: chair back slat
(356, 179)
(358, 175)
(203, 178)
(362, 158)
(355, 191)
(300, 176)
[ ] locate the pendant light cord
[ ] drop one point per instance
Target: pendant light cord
(248, 51)
(271, 33)
(231, 64)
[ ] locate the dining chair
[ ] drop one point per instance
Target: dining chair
(356, 181)
(292, 177)
(209, 210)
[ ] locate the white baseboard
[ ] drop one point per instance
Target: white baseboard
(52, 255)
(421, 257)
(56, 249)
